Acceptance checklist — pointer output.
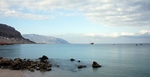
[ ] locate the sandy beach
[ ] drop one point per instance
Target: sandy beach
(18, 73)
(11, 73)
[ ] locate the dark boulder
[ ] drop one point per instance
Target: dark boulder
(72, 59)
(43, 57)
(1, 58)
(95, 64)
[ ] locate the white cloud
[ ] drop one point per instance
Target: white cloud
(106, 12)
(142, 33)
(114, 34)
(14, 13)
(127, 34)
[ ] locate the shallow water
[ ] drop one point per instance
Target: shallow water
(119, 60)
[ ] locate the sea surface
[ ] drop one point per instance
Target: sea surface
(117, 60)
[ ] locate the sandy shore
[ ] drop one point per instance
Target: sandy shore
(11, 73)
(18, 73)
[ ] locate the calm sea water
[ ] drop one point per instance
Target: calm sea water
(119, 60)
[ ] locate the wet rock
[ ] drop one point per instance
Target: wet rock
(16, 64)
(81, 66)
(95, 64)
(1, 58)
(44, 57)
(32, 70)
(49, 65)
(5, 62)
(72, 59)
(48, 69)
(25, 64)
(37, 68)
(57, 66)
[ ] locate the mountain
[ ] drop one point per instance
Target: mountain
(45, 39)
(8, 35)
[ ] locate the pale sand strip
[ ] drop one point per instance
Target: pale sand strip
(18, 73)
(11, 73)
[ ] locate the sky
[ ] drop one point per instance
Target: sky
(80, 21)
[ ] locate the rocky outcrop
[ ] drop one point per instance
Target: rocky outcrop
(23, 64)
(41, 64)
(8, 35)
(95, 64)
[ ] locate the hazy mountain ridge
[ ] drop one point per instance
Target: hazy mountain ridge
(44, 39)
(8, 34)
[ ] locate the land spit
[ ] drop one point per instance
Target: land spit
(41, 64)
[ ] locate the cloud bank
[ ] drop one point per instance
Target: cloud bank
(106, 12)
(141, 34)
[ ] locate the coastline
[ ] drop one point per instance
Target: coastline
(6, 43)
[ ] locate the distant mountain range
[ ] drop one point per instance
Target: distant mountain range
(44, 39)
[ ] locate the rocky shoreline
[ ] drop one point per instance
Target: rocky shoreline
(6, 43)
(41, 64)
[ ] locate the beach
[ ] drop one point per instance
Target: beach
(11, 73)
(19, 73)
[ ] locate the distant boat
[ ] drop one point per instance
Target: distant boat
(91, 43)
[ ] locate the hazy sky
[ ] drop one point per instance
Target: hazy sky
(80, 21)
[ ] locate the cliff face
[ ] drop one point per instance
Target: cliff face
(10, 32)
(10, 35)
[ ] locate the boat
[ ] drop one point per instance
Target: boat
(92, 43)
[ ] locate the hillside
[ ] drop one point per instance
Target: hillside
(45, 39)
(9, 35)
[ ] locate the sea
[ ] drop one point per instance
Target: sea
(117, 60)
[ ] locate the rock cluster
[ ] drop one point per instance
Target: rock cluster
(41, 64)
(23, 64)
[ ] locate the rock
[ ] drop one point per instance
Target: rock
(37, 68)
(32, 65)
(43, 57)
(95, 64)
(16, 64)
(57, 66)
(79, 61)
(48, 69)
(24, 64)
(1, 58)
(32, 70)
(81, 66)
(72, 59)
(49, 65)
